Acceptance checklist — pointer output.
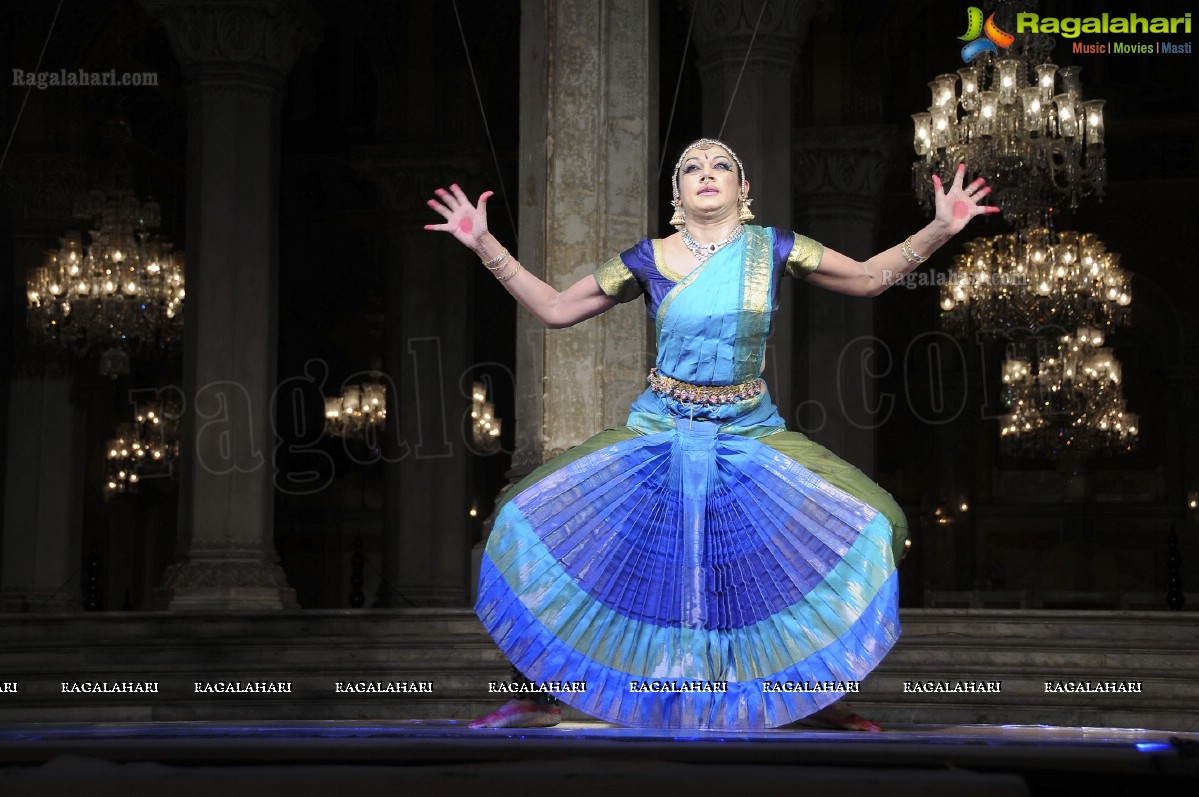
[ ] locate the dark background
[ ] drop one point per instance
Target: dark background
(395, 76)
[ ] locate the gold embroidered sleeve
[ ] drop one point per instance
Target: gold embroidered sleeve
(617, 281)
(805, 256)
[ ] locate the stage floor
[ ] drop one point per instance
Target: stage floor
(583, 758)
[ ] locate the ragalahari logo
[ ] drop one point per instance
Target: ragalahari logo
(995, 39)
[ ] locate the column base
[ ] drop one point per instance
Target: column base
(15, 600)
(225, 585)
(423, 596)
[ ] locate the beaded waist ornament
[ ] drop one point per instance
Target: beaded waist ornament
(703, 394)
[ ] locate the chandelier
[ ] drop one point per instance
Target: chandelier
(1065, 399)
(359, 413)
(1035, 278)
(1020, 122)
(123, 292)
(485, 427)
(146, 448)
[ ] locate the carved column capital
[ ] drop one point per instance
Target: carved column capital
(40, 190)
(724, 29)
(845, 161)
(237, 41)
(405, 183)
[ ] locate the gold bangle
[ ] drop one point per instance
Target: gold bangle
(494, 263)
(515, 270)
(909, 254)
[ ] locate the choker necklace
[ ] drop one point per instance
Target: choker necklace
(703, 251)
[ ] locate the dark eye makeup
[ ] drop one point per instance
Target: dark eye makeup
(692, 167)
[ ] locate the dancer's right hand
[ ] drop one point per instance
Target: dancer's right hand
(464, 221)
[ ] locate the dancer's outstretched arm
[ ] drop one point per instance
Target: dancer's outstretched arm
(955, 208)
(554, 308)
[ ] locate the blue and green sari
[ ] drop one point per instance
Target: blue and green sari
(701, 567)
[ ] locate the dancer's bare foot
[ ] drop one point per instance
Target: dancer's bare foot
(520, 714)
(839, 715)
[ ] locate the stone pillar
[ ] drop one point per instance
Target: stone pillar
(839, 172)
(426, 349)
(235, 58)
(751, 100)
(44, 444)
(588, 128)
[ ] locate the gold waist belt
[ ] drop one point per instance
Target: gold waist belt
(703, 394)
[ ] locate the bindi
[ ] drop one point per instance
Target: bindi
(466, 225)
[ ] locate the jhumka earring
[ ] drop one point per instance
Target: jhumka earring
(679, 219)
(744, 214)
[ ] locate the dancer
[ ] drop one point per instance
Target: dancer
(698, 566)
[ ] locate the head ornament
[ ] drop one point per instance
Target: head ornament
(679, 218)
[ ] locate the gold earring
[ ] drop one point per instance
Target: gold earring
(679, 219)
(744, 214)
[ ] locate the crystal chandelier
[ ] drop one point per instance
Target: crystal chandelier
(485, 427)
(1065, 399)
(123, 292)
(147, 448)
(1034, 278)
(1020, 122)
(359, 413)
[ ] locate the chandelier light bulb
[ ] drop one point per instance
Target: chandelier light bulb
(969, 78)
(923, 136)
(1093, 111)
(1045, 80)
(943, 91)
(1067, 122)
(1031, 100)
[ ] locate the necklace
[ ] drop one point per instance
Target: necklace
(703, 251)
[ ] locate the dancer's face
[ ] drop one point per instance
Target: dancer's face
(708, 182)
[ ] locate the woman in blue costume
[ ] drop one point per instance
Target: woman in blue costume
(694, 566)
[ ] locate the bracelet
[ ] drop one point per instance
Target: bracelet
(516, 267)
(909, 254)
(494, 263)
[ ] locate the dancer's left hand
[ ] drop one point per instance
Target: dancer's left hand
(959, 204)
